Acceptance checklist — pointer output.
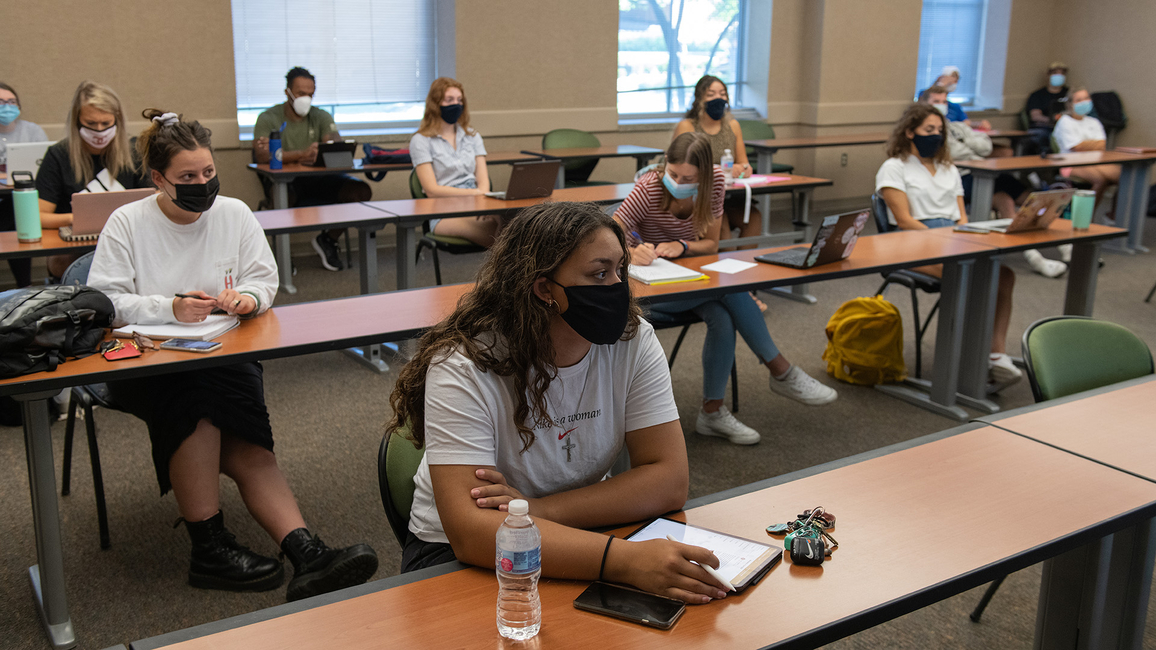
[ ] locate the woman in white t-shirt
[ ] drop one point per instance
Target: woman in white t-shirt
(1078, 131)
(175, 257)
(449, 159)
(530, 389)
(923, 189)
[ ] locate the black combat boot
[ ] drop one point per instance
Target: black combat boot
(318, 569)
(219, 562)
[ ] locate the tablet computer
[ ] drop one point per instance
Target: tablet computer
(743, 562)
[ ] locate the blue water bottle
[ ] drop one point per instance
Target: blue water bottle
(26, 206)
(275, 150)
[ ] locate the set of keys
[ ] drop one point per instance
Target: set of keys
(807, 537)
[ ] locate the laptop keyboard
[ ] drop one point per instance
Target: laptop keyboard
(794, 256)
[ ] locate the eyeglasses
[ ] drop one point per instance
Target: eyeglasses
(9, 102)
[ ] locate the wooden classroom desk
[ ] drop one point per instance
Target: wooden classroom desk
(641, 155)
(281, 178)
(916, 525)
(285, 331)
(1131, 196)
(50, 244)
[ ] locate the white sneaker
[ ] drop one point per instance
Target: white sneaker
(803, 388)
(1065, 252)
(1002, 371)
(1044, 266)
(721, 424)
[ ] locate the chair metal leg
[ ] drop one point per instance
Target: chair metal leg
(735, 387)
(97, 476)
(348, 251)
(883, 287)
(1153, 291)
(985, 599)
(677, 345)
(66, 470)
(437, 266)
(918, 333)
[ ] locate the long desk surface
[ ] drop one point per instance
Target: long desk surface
(960, 485)
(851, 139)
(294, 169)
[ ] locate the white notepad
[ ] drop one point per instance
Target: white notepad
(741, 561)
(213, 326)
(729, 265)
(663, 270)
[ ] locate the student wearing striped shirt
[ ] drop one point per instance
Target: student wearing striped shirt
(676, 211)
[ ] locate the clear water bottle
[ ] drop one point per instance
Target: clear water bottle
(727, 162)
(519, 565)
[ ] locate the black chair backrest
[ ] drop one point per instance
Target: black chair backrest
(879, 211)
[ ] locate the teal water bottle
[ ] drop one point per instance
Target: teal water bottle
(26, 206)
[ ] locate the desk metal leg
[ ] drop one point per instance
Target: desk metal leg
(982, 190)
(561, 181)
(1082, 271)
(370, 355)
(281, 242)
(1132, 204)
(973, 370)
(940, 394)
(798, 292)
(1096, 596)
(47, 575)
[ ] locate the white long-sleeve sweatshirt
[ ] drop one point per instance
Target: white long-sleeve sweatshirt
(143, 259)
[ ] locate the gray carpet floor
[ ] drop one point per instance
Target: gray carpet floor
(328, 412)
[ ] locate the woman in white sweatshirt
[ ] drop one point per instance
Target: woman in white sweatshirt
(175, 257)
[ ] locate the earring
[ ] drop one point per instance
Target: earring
(550, 303)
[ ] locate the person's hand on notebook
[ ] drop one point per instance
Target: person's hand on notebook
(665, 568)
(643, 254)
(741, 171)
(498, 494)
(193, 310)
(670, 249)
(234, 303)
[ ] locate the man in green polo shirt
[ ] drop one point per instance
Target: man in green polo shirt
(305, 126)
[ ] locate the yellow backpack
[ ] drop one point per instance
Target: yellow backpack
(865, 342)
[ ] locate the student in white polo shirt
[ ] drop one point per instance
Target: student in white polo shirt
(1076, 130)
(923, 189)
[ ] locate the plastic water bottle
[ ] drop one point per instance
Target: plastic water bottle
(3, 157)
(519, 565)
(275, 150)
(727, 162)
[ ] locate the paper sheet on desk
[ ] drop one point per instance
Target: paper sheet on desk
(729, 266)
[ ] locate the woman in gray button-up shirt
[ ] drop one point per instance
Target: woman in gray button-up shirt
(450, 160)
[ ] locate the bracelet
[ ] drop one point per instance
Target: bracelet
(685, 247)
(605, 551)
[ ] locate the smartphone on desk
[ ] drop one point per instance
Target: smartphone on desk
(630, 605)
(190, 345)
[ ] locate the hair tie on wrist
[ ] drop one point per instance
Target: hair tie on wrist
(602, 569)
(167, 119)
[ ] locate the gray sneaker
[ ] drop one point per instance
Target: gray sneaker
(803, 388)
(722, 424)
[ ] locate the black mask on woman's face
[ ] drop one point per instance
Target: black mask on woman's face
(597, 312)
(927, 145)
(196, 197)
(452, 112)
(716, 108)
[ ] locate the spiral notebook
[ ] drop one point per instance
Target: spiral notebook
(213, 326)
(663, 271)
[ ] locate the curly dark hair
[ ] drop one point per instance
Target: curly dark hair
(501, 325)
(899, 145)
(295, 73)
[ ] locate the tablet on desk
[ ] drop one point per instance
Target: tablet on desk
(743, 562)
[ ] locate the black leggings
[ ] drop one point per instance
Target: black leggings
(417, 554)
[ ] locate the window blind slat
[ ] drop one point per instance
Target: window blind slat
(950, 33)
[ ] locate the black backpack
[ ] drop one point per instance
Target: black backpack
(42, 326)
(1109, 110)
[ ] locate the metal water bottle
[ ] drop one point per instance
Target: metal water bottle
(26, 206)
(275, 150)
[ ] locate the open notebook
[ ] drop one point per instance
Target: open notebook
(663, 271)
(213, 326)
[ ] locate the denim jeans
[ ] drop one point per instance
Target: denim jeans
(735, 311)
(938, 223)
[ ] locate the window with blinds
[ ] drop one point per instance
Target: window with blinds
(951, 32)
(373, 59)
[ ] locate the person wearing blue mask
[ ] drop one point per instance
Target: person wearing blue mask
(923, 189)
(1076, 130)
(449, 158)
(13, 130)
(710, 115)
(1045, 105)
(677, 211)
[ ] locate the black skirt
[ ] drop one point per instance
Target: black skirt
(232, 398)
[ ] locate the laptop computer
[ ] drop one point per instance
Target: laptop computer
(91, 210)
(1037, 213)
(335, 154)
(530, 180)
(834, 241)
(26, 156)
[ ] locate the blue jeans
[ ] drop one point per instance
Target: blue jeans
(938, 223)
(735, 311)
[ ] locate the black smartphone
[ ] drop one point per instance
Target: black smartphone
(630, 605)
(190, 345)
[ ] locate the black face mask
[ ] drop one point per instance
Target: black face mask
(197, 197)
(452, 112)
(716, 108)
(927, 145)
(597, 312)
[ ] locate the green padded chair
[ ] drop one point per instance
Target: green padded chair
(760, 130)
(451, 245)
(397, 463)
(1065, 355)
(577, 171)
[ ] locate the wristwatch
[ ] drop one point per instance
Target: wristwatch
(685, 247)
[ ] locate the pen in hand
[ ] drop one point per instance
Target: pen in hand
(711, 570)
